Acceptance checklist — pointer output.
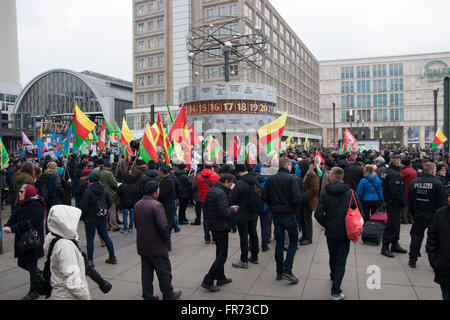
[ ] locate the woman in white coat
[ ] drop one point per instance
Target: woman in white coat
(67, 266)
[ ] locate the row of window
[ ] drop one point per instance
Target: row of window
(151, 80)
(378, 70)
(6, 106)
(152, 43)
(379, 115)
(152, 7)
(219, 72)
(379, 85)
(220, 11)
(159, 23)
(151, 98)
(230, 29)
(379, 100)
(151, 62)
(8, 97)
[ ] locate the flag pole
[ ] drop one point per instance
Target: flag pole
(137, 156)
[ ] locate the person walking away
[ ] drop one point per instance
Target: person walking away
(110, 183)
(329, 164)
(77, 175)
(394, 195)
(282, 194)
(67, 265)
(370, 192)
(49, 186)
(196, 197)
(408, 175)
(165, 196)
(94, 202)
(243, 196)
(438, 247)
(175, 196)
(138, 172)
(218, 206)
(29, 214)
(331, 211)
(150, 175)
(425, 196)
(127, 196)
(185, 192)
(206, 180)
(152, 242)
(121, 170)
(310, 199)
(354, 173)
(264, 218)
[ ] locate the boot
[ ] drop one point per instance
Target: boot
(386, 252)
(397, 249)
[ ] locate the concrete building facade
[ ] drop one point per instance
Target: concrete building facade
(387, 98)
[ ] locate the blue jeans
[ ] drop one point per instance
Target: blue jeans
(205, 224)
(125, 213)
(338, 250)
(282, 224)
(445, 292)
(102, 230)
(175, 218)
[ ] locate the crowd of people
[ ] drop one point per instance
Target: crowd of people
(412, 187)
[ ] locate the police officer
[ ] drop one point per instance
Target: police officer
(425, 195)
(394, 196)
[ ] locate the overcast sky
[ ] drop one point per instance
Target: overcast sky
(97, 34)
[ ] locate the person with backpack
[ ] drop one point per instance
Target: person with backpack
(95, 204)
(30, 214)
(67, 266)
(331, 212)
(247, 194)
(370, 192)
(127, 196)
(49, 186)
(205, 181)
(282, 194)
(219, 209)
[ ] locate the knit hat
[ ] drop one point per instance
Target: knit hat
(52, 165)
(86, 172)
(439, 167)
(94, 177)
(380, 159)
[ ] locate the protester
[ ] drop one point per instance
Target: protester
(196, 197)
(30, 214)
(217, 204)
(165, 196)
(185, 192)
(150, 175)
(175, 196)
(265, 218)
(331, 211)
(310, 199)
(381, 166)
(152, 242)
(49, 186)
(127, 196)
(408, 175)
(111, 185)
(370, 192)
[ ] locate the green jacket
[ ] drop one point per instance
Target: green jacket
(138, 172)
(110, 182)
(22, 178)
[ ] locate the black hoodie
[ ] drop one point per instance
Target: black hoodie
(332, 209)
(127, 193)
(240, 195)
(89, 202)
(149, 175)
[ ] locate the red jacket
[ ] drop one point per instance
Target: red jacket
(203, 186)
(408, 175)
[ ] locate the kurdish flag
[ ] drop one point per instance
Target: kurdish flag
(163, 140)
(148, 147)
(125, 135)
(318, 160)
(213, 149)
(81, 127)
(438, 140)
(4, 155)
(109, 128)
(271, 133)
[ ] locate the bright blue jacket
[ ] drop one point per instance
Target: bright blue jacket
(366, 191)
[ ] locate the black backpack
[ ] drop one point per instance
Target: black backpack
(101, 209)
(255, 199)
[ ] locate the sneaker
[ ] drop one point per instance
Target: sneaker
(111, 261)
(253, 261)
(240, 264)
(412, 263)
(289, 277)
(279, 276)
(210, 287)
(397, 249)
(265, 249)
(223, 281)
(337, 297)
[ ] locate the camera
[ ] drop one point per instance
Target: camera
(104, 285)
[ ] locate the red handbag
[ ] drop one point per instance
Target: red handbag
(353, 221)
(379, 216)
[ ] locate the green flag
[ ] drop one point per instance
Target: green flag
(5, 156)
(109, 128)
(170, 112)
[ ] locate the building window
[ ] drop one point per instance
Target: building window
(379, 85)
(160, 97)
(348, 101)
(275, 38)
(275, 54)
(141, 9)
(281, 29)
(379, 70)
(140, 81)
(210, 73)
(267, 13)
(396, 69)
(380, 115)
(221, 71)
(160, 60)
(222, 31)
(258, 22)
(150, 26)
(150, 61)
(151, 98)
(233, 29)
(267, 30)
(141, 45)
(161, 41)
(150, 7)
(160, 5)
(140, 64)
(221, 11)
(258, 4)
(209, 12)
(347, 87)
(248, 12)
(150, 44)
(233, 9)
(160, 23)
(379, 100)
(234, 70)
(396, 99)
(161, 79)
(150, 80)
(140, 27)
(141, 99)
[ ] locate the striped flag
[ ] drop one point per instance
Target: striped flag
(271, 133)
(438, 140)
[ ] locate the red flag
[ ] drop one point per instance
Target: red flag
(350, 139)
(233, 149)
(194, 137)
(179, 131)
(102, 138)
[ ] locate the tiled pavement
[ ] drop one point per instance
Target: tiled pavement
(191, 259)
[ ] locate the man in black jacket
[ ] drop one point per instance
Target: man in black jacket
(185, 192)
(282, 194)
(95, 193)
(166, 195)
(425, 195)
(354, 174)
(150, 175)
(394, 196)
(438, 248)
(246, 216)
(330, 213)
(219, 210)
